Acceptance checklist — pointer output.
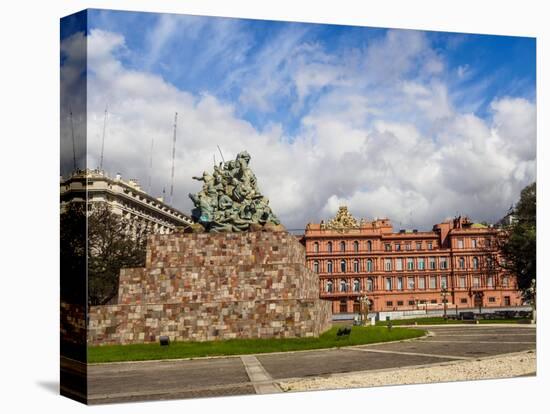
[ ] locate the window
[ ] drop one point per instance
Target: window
(421, 263)
(399, 264)
(388, 283)
(316, 247)
(329, 287)
(343, 286)
(410, 283)
(343, 266)
(329, 247)
(443, 263)
(474, 243)
(433, 282)
(460, 243)
(329, 266)
(387, 247)
(342, 246)
(418, 245)
(430, 246)
(444, 282)
(387, 264)
(316, 266)
(506, 300)
(490, 282)
(489, 262)
(369, 245)
(389, 303)
(355, 246)
(369, 284)
(411, 302)
(433, 301)
(369, 265)
(462, 282)
(399, 283)
(356, 287)
(356, 266)
(397, 247)
(475, 262)
(432, 263)
(463, 300)
(343, 306)
(461, 263)
(410, 264)
(407, 246)
(492, 299)
(399, 303)
(476, 282)
(505, 281)
(487, 242)
(422, 282)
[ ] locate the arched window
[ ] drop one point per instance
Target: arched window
(329, 247)
(369, 245)
(370, 285)
(343, 266)
(329, 287)
(316, 247)
(461, 263)
(343, 286)
(476, 263)
(329, 266)
(356, 285)
(316, 266)
(356, 266)
(369, 265)
(355, 246)
(342, 246)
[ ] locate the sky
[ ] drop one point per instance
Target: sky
(410, 125)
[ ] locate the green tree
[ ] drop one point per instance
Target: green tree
(519, 247)
(114, 242)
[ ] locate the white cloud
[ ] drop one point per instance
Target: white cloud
(397, 149)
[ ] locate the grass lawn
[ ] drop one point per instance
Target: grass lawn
(441, 321)
(141, 352)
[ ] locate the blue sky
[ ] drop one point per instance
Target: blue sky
(494, 66)
(408, 124)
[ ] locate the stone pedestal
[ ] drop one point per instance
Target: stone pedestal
(208, 286)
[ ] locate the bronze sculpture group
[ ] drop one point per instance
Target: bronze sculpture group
(230, 200)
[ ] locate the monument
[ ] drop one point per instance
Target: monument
(230, 200)
(237, 274)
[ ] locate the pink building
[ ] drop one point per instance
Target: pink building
(456, 262)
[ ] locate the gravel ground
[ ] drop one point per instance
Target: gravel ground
(503, 366)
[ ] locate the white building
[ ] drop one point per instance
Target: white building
(125, 198)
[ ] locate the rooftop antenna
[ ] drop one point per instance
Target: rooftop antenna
(214, 155)
(150, 166)
(173, 158)
(103, 139)
(220, 153)
(72, 135)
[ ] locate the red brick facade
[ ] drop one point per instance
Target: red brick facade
(407, 270)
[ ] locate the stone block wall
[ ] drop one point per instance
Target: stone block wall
(198, 287)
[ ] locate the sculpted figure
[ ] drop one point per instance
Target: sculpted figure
(230, 199)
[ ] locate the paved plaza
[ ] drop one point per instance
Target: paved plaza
(261, 373)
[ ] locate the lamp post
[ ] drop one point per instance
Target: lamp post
(444, 294)
(365, 302)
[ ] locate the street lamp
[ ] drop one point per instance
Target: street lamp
(444, 294)
(365, 302)
(479, 296)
